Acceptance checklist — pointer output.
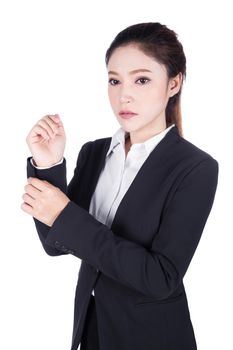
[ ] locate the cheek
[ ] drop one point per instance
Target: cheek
(112, 95)
(153, 102)
(155, 95)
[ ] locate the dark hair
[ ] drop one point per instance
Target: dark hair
(161, 43)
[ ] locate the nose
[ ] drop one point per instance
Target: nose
(125, 93)
(124, 99)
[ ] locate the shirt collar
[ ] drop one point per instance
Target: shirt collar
(120, 135)
(118, 138)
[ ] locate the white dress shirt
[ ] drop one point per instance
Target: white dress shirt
(118, 173)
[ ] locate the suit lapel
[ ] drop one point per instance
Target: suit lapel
(95, 164)
(153, 162)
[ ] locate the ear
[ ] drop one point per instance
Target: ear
(175, 84)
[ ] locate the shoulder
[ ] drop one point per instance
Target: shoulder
(96, 145)
(182, 158)
(190, 153)
(193, 170)
(93, 149)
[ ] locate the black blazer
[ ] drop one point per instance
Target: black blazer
(137, 265)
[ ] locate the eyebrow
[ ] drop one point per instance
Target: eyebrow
(132, 72)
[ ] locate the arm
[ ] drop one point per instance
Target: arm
(56, 175)
(156, 271)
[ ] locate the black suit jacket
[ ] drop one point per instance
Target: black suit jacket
(138, 264)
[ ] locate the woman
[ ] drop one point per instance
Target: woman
(136, 206)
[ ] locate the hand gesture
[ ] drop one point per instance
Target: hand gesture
(46, 140)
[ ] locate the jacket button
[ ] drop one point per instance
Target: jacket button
(64, 249)
(57, 244)
(94, 269)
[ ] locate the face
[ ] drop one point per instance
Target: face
(145, 93)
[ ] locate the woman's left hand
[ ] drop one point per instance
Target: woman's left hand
(43, 201)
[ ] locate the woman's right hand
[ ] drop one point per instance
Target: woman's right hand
(46, 140)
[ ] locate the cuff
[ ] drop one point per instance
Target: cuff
(45, 167)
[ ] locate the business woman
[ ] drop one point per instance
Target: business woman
(136, 206)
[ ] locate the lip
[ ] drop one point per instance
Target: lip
(125, 111)
(127, 114)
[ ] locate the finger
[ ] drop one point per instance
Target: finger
(39, 130)
(46, 124)
(27, 208)
(28, 199)
(41, 185)
(58, 122)
(54, 122)
(32, 191)
(55, 118)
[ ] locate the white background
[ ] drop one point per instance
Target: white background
(52, 61)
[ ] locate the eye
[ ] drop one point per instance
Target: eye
(143, 78)
(112, 80)
(139, 79)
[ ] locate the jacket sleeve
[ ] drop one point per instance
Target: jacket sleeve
(56, 175)
(155, 272)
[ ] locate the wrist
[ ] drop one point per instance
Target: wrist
(36, 164)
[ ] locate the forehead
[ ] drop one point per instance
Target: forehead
(131, 57)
